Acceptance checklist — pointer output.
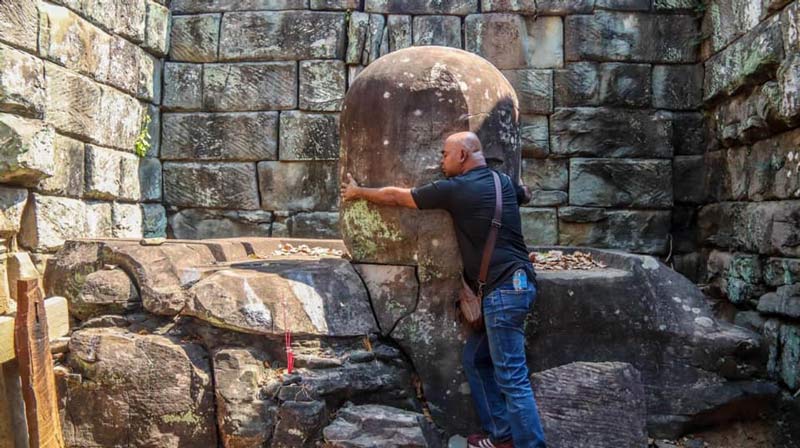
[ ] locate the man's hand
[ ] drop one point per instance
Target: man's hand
(349, 188)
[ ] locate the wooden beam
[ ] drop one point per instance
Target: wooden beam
(57, 326)
(32, 345)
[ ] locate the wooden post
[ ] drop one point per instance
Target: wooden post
(32, 347)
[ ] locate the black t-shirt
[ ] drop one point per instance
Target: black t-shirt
(470, 200)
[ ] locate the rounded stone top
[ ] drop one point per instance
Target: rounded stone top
(395, 118)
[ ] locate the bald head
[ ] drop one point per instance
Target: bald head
(462, 151)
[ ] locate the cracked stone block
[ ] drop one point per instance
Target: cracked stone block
(284, 35)
(21, 83)
(243, 136)
(194, 38)
(399, 28)
(620, 183)
(240, 87)
(322, 85)
(308, 136)
(211, 184)
(27, 155)
(183, 86)
(357, 38)
(298, 186)
(443, 31)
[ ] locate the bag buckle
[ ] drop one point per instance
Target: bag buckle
(480, 288)
(496, 223)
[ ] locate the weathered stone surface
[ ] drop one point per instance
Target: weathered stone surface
(322, 297)
(772, 170)
(21, 83)
(107, 291)
(195, 38)
(454, 7)
(611, 133)
(625, 85)
(240, 87)
(592, 404)
(322, 85)
(781, 271)
(103, 173)
(619, 36)
(27, 150)
(150, 179)
(12, 203)
(545, 174)
(217, 185)
(534, 135)
(518, 6)
(250, 136)
(154, 221)
(635, 231)
(377, 42)
(539, 226)
(500, 38)
(581, 316)
(393, 292)
(750, 60)
(44, 228)
(158, 391)
(729, 19)
(358, 38)
(67, 39)
(245, 417)
(444, 31)
(688, 133)
(546, 42)
(688, 176)
(183, 86)
(768, 228)
(677, 86)
(789, 366)
(620, 183)
(676, 5)
(203, 223)
(298, 186)
(126, 220)
(335, 5)
(19, 23)
(578, 84)
(564, 7)
(623, 5)
(98, 219)
(196, 6)
(132, 70)
(547, 198)
(375, 425)
(785, 302)
(130, 19)
(157, 23)
(399, 28)
(315, 225)
(534, 89)
(291, 35)
(300, 423)
(307, 136)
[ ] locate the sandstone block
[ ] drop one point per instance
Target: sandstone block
(399, 28)
(154, 221)
(623, 5)
(518, 6)
(443, 31)
(150, 183)
(315, 225)
(539, 226)
(768, 228)
(69, 40)
(103, 173)
(12, 204)
(198, 6)
(731, 19)
(123, 65)
(677, 86)
(545, 174)
(290, 35)
(369, 425)
(548, 198)
(157, 24)
(195, 223)
(21, 83)
(357, 38)
(322, 85)
(620, 183)
(534, 89)
(620, 37)
(688, 133)
(130, 182)
(577, 84)
(784, 302)
(98, 220)
(44, 228)
(107, 291)
(675, 5)
(130, 20)
(194, 38)
(335, 5)
(564, 7)
(635, 231)
(453, 7)
(534, 134)
(245, 136)
(781, 271)
(500, 38)
(183, 86)
(625, 85)
(126, 220)
(307, 136)
(546, 42)
(688, 178)
(240, 87)
(27, 155)
(611, 133)
(216, 185)
(19, 23)
(298, 185)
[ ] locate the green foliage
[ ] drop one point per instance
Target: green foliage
(142, 144)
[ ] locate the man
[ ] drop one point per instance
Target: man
(494, 360)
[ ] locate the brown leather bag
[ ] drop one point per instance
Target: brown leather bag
(469, 302)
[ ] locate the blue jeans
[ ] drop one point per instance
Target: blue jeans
(494, 363)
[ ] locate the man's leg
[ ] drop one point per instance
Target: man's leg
(489, 403)
(505, 317)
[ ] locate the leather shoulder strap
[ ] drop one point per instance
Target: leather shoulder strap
(492, 238)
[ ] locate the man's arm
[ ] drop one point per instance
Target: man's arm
(400, 197)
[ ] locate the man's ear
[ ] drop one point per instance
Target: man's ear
(463, 155)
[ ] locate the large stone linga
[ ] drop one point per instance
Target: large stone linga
(395, 118)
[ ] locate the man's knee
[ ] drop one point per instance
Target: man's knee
(513, 381)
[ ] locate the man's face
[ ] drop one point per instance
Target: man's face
(452, 159)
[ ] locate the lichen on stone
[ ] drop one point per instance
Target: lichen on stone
(367, 229)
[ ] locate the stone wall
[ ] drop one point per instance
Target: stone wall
(78, 81)
(740, 233)
(608, 89)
